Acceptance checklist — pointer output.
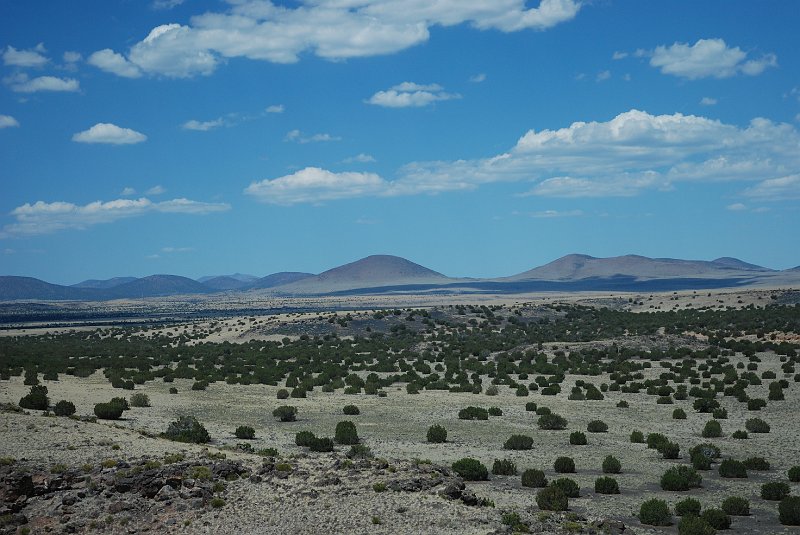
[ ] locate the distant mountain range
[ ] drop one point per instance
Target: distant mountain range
(387, 274)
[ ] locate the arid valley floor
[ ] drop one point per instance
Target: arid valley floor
(79, 474)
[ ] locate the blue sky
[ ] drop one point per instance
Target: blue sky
(476, 138)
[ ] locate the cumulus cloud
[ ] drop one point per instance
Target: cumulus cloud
(359, 158)
(313, 184)
(109, 133)
(622, 157)
(708, 101)
(6, 121)
(297, 136)
(603, 76)
(269, 31)
(45, 218)
(275, 108)
(550, 214)
(33, 57)
(478, 78)
(410, 94)
(156, 190)
(71, 56)
(708, 58)
(202, 126)
(776, 189)
(22, 83)
(110, 61)
(736, 207)
(166, 4)
(127, 191)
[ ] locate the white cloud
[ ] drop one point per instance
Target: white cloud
(478, 78)
(708, 101)
(109, 133)
(166, 4)
(71, 57)
(736, 207)
(359, 158)
(298, 137)
(33, 57)
(622, 157)
(203, 126)
(619, 55)
(275, 108)
(550, 214)
(156, 190)
(21, 83)
(170, 250)
(410, 94)
(708, 58)
(110, 61)
(776, 189)
(6, 121)
(313, 184)
(45, 218)
(338, 29)
(127, 192)
(603, 76)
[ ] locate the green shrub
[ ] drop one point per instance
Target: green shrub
(656, 441)
(789, 511)
(282, 394)
(680, 477)
(671, 450)
(794, 474)
(552, 499)
(518, 442)
(304, 438)
(533, 478)
(285, 413)
(611, 465)
(606, 485)
(679, 414)
(552, 422)
(622, 404)
(530, 406)
(655, 512)
(108, 411)
(564, 465)
(504, 467)
(437, 434)
(245, 432)
(199, 385)
(756, 425)
(471, 469)
(712, 429)
(568, 486)
(36, 399)
(687, 506)
(731, 468)
(64, 408)
(577, 438)
(140, 399)
(739, 434)
(541, 411)
(716, 518)
(597, 426)
(321, 444)
(637, 437)
(774, 490)
(756, 404)
(298, 392)
(351, 410)
(346, 433)
(379, 487)
(473, 413)
(720, 414)
(187, 429)
(756, 463)
(694, 525)
(492, 390)
(736, 506)
(495, 411)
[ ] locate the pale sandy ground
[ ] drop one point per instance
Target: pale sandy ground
(395, 426)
